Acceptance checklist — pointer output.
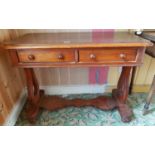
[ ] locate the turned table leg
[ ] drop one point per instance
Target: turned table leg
(121, 94)
(34, 94)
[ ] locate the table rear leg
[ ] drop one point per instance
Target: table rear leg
(150, 95)
(132, 80)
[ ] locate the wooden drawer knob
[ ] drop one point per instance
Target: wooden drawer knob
(31, 57)
(92, 56)
(122, 56)
(60, 56)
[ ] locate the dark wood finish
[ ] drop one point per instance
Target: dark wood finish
(111, 55)
(14, 57)
(121, 94)
(1, 48)
(46, 55)
(34, 94)
(55, 103)
(132, 79)
(74, 40)
(74, 50)
(79, 56)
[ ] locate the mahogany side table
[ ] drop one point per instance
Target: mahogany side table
(77, 49)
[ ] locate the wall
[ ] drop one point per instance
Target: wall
(74, 76)
(144, 75)
(11, 80)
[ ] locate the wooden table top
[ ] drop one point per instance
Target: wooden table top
(76, 40)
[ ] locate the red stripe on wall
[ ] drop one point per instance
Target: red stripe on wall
(99, 75)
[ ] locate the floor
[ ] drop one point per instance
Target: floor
(89, 116)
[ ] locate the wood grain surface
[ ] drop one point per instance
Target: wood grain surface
(11, 79)
(73, 40)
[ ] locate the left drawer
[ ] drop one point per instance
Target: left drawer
(47, 55)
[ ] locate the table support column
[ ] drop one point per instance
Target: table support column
(34, 94)
(132, 79)
(121, 94)
(37, 98)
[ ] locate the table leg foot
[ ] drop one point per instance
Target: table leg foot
(33, 108)
(31, 113)
(125, 112)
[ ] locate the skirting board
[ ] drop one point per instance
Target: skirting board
(12, 118)
(74, 89)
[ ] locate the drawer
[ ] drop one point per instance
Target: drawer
(105, 55)
(58, 55)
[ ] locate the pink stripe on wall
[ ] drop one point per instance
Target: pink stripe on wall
(103, 75)
(99, 34)
(92, 75)
(99, 75)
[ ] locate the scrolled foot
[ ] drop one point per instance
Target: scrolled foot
(125, 112)
(32, 112)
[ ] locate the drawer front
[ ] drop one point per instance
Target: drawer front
(46, 55)
(108, 55)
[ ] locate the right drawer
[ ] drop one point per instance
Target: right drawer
(107, 55)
